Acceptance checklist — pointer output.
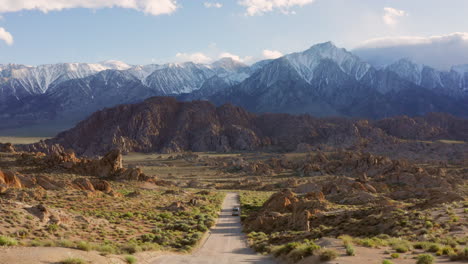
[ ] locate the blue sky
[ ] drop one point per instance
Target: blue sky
(155, 31)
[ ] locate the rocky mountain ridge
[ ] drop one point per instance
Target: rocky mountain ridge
(163, 124)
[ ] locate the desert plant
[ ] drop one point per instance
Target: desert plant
(284, 249)
(303, 250)
(350, 250)
(52, 228)
(461, 255)
(386, 261)
(83, 245)
(400, 246)
(8, 241)
(425, 259)
(130, 259)
(73, 261)
(328, 254)
(395, 255)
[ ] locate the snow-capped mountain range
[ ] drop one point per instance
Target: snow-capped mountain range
(323, 80)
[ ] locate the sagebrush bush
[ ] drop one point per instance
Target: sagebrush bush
(303, 250)
(83, 245)
(130, 259)
(461, 255)
(425, 259)
(350, 250)
(328, 254)
(8, 241)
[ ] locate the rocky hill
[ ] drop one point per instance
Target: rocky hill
(163, 124)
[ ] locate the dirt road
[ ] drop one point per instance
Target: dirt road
(225, 243)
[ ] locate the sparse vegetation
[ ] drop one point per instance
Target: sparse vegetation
(73, 261)
(328, 255)
(8, 241)
(350, 250)
(130, 259)
(425, 259)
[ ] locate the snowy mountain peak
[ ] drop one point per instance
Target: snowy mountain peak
(115, 65)
(306, 62)
(408, 70)
(460, 69)
(228, 64)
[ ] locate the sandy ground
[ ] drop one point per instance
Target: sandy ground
(225, 243)
(49, 255)
(21, 140)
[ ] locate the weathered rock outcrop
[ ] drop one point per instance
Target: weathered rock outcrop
(286, 210)
(9, 179)
(110, 166)
(7, 147)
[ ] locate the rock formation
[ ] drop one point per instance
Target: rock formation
(286, 210)
(162, 124)
(110, 166)
(7, 147)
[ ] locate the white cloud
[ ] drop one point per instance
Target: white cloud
(197, 57)
(392, 15)
(215, 5)
(441, 51)
(152, 7)
(246, 59)
(6, 36)
(259, 7)
(271, 54)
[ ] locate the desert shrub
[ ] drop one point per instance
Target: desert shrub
(202, 228)
(130, 259)
(395, 255)
(347, 240)
(400, 246)
(130, 248)
(434, 248)
(350, 250)
(109, 249)
(8, 241)
(428, 224)
(284, 249)
(371, 242)
(461, 255)
(73, 261)
(52, 228)
(386, 261)
(148, 237)
(128, 215)
(210, 222)
(425, 259)
(65, 243)
(303, 250)
(421, 245)
(328, 254)
(82, 245)
(446, 250)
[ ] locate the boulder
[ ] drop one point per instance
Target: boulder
(10, 179)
